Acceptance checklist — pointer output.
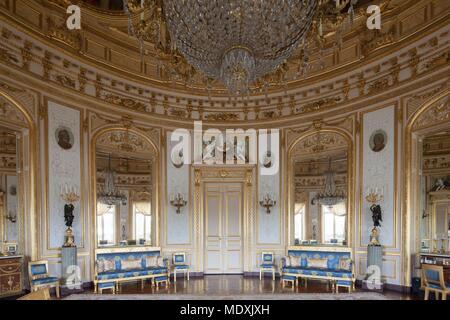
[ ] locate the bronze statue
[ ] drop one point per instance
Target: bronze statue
(68, 214)
(376, 215)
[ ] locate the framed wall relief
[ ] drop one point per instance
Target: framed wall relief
(378, 140)
(64, 137)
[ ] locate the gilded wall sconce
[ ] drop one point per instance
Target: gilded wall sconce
(10, 217)
(178, 201)
(268, 201)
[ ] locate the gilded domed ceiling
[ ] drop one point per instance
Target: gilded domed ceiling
(104, 61)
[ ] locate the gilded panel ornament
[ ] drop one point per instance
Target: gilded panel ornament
(8, 88)
(128, 180)
(379, 85)
(440, 60)
(439, 112)
(319, 105)
(318, 182)
(374, 40)
(320, 142)
(5, 55)
(65, 81)
(124, 141)
(11, 113)
(59, 32)
(415, 101)
(436, 163)
(125, 102)
(224, 116)
(8, 162)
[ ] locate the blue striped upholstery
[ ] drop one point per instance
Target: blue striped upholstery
(44, 280)
(106, 285)
(38, 269)
(320, 273)
(181, 266)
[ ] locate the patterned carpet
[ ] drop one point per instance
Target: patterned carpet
(265, 296)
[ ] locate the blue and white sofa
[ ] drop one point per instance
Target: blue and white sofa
(331, 263)
(120, 264)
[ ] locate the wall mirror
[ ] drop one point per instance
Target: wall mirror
(125, 211)
(10, 190)
(319, 188)
(435, 192)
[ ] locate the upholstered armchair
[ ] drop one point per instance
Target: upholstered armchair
(39, 277)
(433, 280)
(267, 264)
(180, 264)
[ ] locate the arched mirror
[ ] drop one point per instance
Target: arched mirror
(10, 192)
(125, 189)
(319, 188)
(435, 191)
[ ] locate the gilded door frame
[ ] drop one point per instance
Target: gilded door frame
(410, 219)
(225, 173)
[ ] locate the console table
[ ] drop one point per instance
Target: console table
(438, 259)
(10, 275)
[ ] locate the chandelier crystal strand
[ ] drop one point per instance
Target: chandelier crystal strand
(110, 194)
(238, 41)
(330, 196)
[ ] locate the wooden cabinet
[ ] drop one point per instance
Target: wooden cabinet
(437, 259)
(10, 275)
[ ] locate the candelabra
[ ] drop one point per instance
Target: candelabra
(178, 201)
(10, 217)
(268, 201)
(374, 196)
(70, 196)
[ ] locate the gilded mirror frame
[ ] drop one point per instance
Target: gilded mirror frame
(155, 173)
(350, 180)
(27, 157)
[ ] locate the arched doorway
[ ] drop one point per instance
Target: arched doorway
(15, 119)
(430, 118)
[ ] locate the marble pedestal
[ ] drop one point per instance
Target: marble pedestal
(374, 269)
(70, 270)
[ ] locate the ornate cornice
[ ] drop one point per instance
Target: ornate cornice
(386, 72)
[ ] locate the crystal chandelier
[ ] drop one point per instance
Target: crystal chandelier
(110, 194)
(238, 42)
(330, 196)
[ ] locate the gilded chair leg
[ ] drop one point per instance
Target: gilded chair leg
(188, 275)
(175, 275)
(58, 294)
(444, 295)
(260, 272)
(273, 275)
(427, 294)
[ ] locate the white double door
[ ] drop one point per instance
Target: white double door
(223, 209)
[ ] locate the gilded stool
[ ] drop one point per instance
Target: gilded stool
(107, 285)
(344, 283)
(161, 279)
(285, 279)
